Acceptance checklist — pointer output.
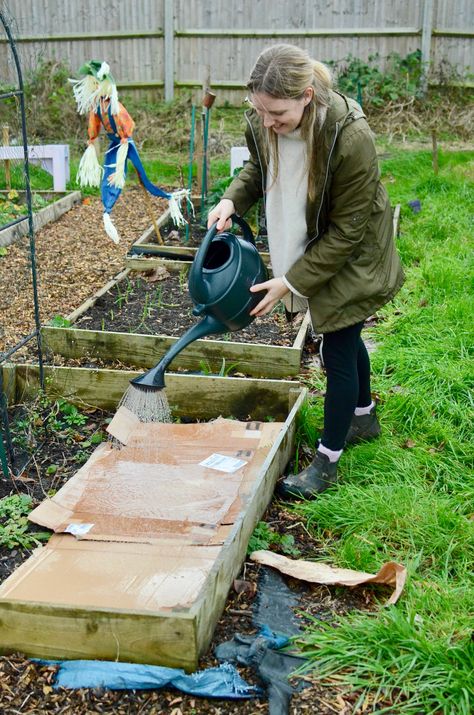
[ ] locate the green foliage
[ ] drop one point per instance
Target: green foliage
(264, 537)
(58, 321)
(50, 104)
(408, 496)
(217, 190)
(398, 81)
(14, 524)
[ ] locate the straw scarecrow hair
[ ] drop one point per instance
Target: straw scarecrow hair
(97, 82)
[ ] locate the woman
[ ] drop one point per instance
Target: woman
(329, 223)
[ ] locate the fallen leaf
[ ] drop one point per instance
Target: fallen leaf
(245, 587)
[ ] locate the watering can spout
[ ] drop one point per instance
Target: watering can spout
(154, 379)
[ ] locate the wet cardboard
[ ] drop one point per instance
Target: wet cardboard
(145, 547)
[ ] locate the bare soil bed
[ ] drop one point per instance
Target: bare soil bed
(143, 304)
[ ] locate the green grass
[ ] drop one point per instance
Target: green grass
(409, 496)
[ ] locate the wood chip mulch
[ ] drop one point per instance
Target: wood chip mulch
(74, 258)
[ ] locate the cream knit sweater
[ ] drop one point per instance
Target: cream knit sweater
(286, 210)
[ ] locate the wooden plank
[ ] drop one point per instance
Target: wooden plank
(40, 218)
(145, 263)
(210, 603)
(55, 631)
(192, 396)
(144, 351)
(84, 307)
(9, 382)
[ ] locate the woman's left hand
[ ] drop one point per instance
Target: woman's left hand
(276, 289)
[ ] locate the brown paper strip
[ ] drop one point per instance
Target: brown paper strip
(391, 573)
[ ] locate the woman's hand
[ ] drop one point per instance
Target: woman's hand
(221, 213)
(276, 289)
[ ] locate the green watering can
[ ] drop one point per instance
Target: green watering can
(223, 270)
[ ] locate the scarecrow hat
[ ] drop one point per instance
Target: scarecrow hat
(97, 81)
(99, 70)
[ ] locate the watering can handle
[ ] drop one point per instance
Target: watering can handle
(206, 241)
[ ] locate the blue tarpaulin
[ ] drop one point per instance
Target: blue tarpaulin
(223, 681)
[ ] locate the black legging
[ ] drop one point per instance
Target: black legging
(347, 366)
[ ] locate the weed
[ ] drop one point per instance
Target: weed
(183, 279)
(58, 321)
(14, 524)
(224, 371)
(264, 537)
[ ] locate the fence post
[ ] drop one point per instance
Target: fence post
(169, 50)
(426, 43)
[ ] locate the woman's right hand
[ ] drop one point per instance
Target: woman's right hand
(221, 213)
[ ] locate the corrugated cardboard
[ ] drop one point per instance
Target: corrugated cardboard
(154, 487)
(141, 527)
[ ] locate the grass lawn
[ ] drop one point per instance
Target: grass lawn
(409, 496)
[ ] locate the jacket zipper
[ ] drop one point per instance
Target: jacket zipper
(324, 187)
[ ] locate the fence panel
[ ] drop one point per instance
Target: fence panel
(221, 41)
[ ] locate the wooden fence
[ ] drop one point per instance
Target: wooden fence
(163, 45)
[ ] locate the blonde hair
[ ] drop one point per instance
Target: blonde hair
(285, 72)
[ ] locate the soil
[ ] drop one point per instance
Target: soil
(74, 257)
(160, 304)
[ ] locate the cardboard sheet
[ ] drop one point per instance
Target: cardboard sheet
(137, 577)
(155, 487)
(390, 573)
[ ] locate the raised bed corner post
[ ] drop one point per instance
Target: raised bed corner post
(21, 95)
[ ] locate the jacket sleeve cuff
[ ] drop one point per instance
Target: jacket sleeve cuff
(293, 290)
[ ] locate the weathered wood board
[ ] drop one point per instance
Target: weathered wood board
(258, 360)
(171, 636)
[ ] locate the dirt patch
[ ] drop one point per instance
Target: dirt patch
(141, 304)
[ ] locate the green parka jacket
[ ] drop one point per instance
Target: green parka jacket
(350, 267)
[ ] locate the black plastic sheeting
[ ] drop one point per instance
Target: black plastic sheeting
(275, 618)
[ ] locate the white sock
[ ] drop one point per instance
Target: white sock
(332, 454)
(364, 410)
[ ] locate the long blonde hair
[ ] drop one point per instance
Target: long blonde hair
(284, 72)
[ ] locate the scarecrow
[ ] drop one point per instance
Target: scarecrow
(96, 95)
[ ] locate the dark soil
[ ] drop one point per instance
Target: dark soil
(164, 307)
(54, 445)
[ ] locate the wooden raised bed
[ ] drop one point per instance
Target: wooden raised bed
(172, 636)
(257, 360)
(147, 242)
(45, 215)
(150, 261)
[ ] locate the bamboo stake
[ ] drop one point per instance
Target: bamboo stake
(6, 142)
(150, 210)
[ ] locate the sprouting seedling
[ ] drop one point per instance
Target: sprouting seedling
(183, 279)
(158, 297)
